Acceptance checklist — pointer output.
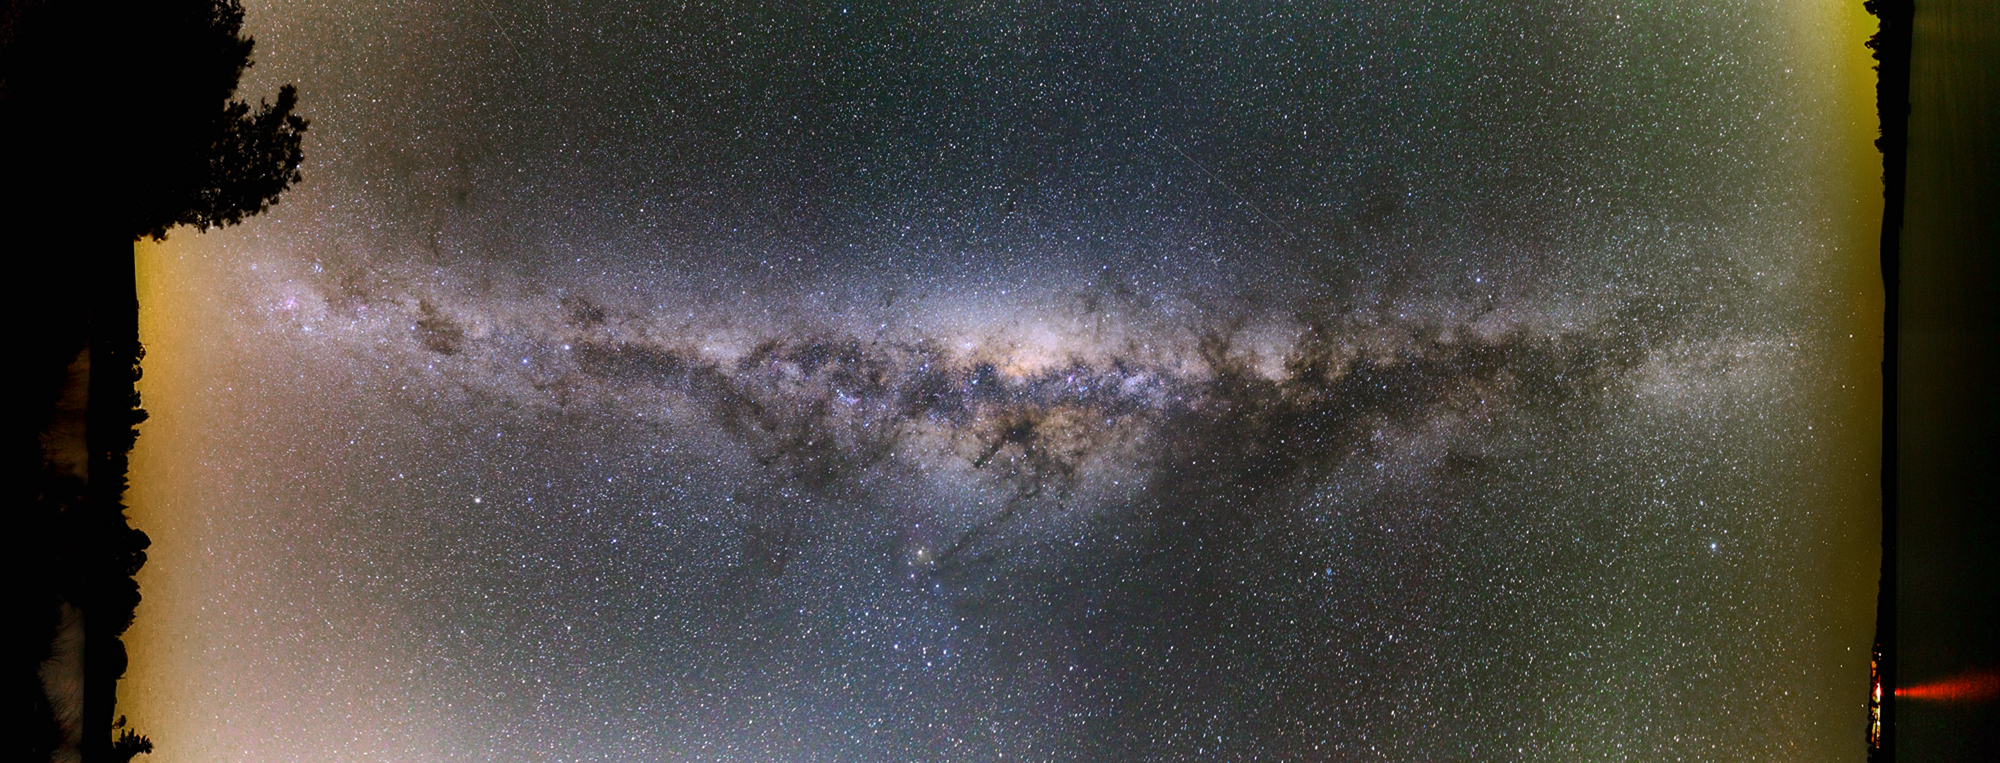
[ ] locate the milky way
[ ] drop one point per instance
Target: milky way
(972, 383)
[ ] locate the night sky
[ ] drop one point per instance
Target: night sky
(974, 381)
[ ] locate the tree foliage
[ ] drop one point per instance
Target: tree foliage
(126, 114)
(215, 160)
(130, 744)
(119, 119)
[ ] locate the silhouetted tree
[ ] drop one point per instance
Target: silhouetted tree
(120, 120)
(130, 744)
(126, 111)
(217, 161)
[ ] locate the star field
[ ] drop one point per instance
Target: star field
(856, 382)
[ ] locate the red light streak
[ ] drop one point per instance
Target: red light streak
(1978, 686)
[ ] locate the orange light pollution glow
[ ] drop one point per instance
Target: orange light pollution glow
(1977, 686)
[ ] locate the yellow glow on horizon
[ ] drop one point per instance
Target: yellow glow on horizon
(156, 677)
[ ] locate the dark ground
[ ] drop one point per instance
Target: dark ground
(1947, 356)
(69, 282)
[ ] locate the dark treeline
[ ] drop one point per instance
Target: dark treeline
(1891, 48)
(120, 120)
